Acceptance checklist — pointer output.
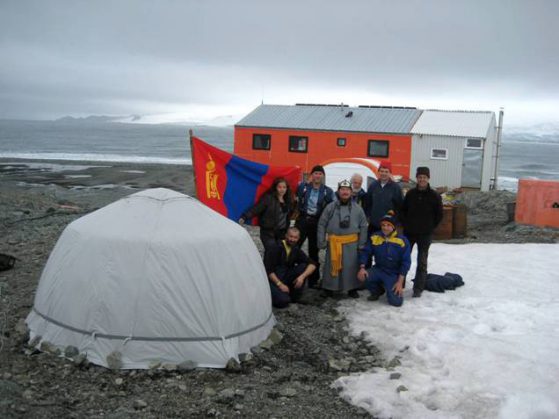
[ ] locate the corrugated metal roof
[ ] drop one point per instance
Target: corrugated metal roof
(332, 118)
(453, 123)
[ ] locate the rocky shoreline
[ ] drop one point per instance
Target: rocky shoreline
(292, 378)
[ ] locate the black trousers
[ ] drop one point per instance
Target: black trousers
(308, 225)
(288, 276)
(423, 242)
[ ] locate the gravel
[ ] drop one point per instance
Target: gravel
(290, 375)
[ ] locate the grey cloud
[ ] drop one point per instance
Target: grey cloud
(101, 56)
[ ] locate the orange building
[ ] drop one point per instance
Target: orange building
(306, 135)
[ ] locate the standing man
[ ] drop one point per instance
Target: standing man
(312, 198)
(382, 196)
(391, 252)
(422, 212)
(287, 267)
(357, 192)
(343, 227)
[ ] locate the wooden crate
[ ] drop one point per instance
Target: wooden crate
(444, 229)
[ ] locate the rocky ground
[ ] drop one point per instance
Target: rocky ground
(292, 378)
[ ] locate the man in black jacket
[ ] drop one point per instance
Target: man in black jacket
(422, 212)
(287, 267)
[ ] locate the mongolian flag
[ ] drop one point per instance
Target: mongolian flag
(229, 184)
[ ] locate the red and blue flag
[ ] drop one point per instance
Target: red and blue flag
(229, 184)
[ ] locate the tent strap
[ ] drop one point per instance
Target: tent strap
(148, 338)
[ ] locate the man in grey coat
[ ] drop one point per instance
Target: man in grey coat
(342, 231)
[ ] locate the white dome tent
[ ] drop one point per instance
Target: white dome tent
(157, 277)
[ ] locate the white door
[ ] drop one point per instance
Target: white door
(471, 168)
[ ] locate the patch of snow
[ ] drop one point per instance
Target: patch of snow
(487, 349)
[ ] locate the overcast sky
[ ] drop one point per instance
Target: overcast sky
(208, 58)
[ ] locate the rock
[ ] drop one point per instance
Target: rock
(182, 387)
(49, 347)
(139, 404)
(153, 365)
(395, 376)
(80, 359)
(114, 360)
(27, 394)
(212, 413)
(233, 365)
(186, 366)
(256, 350)
(226, 396)
(119, 381)
(267, 344)
(275, 336)
(209, 392)
(238, 407)
(292, 308)
(345, 339)
(21, 327)
(240, 393)
(401, 388)
(350, 347)
(394, 362)
(273, 394)
(71, 351)
(288, 392)
(169, 367)
(338, 364)
(245, 357)
(339, 318)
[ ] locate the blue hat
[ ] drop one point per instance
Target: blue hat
(389, 218)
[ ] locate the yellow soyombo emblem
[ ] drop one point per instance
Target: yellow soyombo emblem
(211, 179)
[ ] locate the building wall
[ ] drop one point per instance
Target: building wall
(443, 172)
(490, 148)
(322, 146)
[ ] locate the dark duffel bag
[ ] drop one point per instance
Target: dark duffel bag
(6, 262)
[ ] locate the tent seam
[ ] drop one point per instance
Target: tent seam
(147, 338)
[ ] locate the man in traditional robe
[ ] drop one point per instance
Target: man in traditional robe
(342, 231)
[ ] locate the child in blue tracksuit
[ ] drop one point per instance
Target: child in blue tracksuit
(392, 261)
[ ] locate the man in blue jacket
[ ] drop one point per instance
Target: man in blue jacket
(382, 196)
(392, 258)
(312, 198)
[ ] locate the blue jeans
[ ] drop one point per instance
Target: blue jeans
(378, 280)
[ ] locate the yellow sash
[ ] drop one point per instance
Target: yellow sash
(336, 246)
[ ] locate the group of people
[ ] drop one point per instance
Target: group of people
(360, 231)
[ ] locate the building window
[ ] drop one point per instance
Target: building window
(474, 143)
(378, 148)
(341, 142)
(261, 141)
(439, 154)
(298, 144)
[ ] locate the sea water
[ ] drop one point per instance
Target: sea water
(523, 154)
(106, 142)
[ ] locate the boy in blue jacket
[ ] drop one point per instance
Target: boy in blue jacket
(392, 261)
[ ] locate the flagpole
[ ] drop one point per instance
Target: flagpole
(190, 135)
